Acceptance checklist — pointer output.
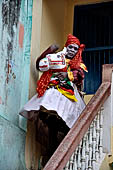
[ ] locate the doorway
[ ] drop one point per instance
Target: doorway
(94, 27)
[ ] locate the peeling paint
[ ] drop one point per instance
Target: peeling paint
(15, 41)
(10, 18)
(10, 69)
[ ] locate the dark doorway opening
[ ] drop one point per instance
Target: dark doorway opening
(93, 25)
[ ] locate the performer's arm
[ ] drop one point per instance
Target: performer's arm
(50, 50)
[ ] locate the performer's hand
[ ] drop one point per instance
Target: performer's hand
(78, 78)
(78, 74)
(75, 74)
(62, 75)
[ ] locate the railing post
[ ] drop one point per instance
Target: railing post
(111, 156)
(107, 112)
(83, 154)
(101, 133)
(94, 144)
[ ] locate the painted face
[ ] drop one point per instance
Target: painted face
(72, 49)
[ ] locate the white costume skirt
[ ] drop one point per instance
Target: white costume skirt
(68, 110)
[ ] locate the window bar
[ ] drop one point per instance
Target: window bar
(109, 52)
(105, 24)
(90, 82)
(99, 56)
(94, 70)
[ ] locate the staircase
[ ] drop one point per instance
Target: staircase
(85, 147)
(89, 153)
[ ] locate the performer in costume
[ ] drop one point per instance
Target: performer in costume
(58, 102)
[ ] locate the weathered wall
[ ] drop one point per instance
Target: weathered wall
(9, 63)
(15, 36)
(12, 146)
(14, 57)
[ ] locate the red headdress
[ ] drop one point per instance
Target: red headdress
(72, 40)
(77, 59)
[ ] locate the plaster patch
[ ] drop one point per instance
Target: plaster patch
(21, 35)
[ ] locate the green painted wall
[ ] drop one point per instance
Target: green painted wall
(15, 43)
(12, 146)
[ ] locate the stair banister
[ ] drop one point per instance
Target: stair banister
(77, 132)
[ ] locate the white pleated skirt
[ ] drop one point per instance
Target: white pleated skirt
(68, 110)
